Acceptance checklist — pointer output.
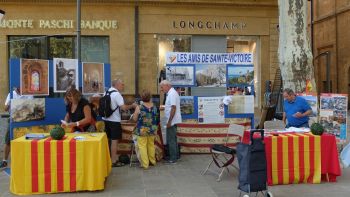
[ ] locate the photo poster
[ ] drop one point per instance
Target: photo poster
(240, 75)
(180, 74)
(211, 110)
(187, 107)
(34, 77)
(241, 104)
(93, 78)
(65, 74)
(333, 114)
(211, 75)
(27, 109)
(313, 102)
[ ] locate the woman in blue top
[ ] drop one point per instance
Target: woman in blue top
(147, 117)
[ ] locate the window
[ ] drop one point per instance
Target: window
(27, 47)
(93, 48)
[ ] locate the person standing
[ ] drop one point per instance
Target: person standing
(173, 117)
(296, 110)
(147, 117)
(113, 126)
(7, 140)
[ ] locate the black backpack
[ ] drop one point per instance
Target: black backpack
(105, 109)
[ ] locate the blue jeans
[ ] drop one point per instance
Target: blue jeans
(171, 140)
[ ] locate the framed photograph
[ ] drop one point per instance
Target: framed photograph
(93, 78)
(65, 74)
(186, 105)
(27, 109)
(34, 77)
(211, 75)
(180, 75)
(240, 75)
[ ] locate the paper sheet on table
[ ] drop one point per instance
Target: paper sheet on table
(295, 129)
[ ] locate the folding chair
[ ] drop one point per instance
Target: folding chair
(222, 155)
(134, 152)
(274, 125)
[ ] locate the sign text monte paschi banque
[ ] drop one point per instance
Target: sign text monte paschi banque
(58, 24)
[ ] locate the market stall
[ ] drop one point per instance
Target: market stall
(79, 162)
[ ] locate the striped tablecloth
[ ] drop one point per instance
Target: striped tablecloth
(300, 157)
(68, 165)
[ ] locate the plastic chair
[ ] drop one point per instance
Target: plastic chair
(222, 155)
(274, 125)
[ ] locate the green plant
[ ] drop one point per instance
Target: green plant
(316, 128)
(57, 133)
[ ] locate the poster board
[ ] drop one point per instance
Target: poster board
(211, 110)
(333, 114)
(213, 70)
(51, 104)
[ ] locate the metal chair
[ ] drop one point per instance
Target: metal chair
(222, 155)
(134, 152)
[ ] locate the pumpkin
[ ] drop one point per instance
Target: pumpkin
(57, 133)
(316, 128)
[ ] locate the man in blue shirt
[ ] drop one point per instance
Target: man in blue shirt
(296, 110)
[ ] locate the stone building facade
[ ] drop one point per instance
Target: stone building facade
(133, 33)
(331, 22)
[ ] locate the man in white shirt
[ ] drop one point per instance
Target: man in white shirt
(7, 140)
(113, 127)
(173, 117)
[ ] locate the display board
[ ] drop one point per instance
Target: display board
(333, 113)
(49, 110)
(234, 71)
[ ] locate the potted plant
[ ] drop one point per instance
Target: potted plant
(316, 128)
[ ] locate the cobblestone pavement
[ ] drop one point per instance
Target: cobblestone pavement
(185, 180)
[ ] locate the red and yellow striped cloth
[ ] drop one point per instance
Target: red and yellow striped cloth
(68, 165)
(293, 158)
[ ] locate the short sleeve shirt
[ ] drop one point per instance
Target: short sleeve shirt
(173, 98)
(299, 105)
(116, 100)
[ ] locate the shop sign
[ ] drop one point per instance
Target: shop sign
(209, 58)
(58, 24)
(199, 24)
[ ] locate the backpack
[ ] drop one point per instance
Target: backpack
(105, 109)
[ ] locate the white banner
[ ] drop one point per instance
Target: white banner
(209, 58)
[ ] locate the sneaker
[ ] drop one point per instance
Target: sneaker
(170, 162)
(3, 164)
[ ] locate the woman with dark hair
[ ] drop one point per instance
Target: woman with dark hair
(147, 117)
(79, 115)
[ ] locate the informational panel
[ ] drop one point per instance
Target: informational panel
(241, 104)
(211, 110)
(333, 113)
(212, 76)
